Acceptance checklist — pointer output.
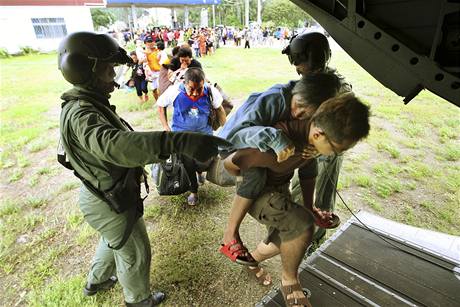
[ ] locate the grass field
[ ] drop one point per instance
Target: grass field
(407, 170)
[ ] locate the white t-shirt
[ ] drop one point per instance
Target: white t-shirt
(167, 98)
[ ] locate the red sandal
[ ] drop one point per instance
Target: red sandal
(238, 253)
(332, 223)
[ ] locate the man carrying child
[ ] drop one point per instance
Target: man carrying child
(336, 126)
(252, 126)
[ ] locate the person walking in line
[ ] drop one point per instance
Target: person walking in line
(138, 78)
(192, 101)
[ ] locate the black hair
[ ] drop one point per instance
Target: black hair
(194, 74)
(133, 53)
(161, 45)
(175, 50)
(315, 88)
(185, 52)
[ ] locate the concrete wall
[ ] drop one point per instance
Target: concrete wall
(16, 29)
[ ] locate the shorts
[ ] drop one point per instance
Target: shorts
(285, 220)
(154, 76)
(253, 182)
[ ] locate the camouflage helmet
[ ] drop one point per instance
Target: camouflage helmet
(79, 52)
(311, 48)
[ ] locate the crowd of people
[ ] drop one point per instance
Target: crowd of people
(151, 60)
(204, 40)
(302, 126)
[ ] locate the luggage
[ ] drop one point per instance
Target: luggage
(170, 176)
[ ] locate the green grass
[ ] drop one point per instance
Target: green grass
(344, 182)
(387, 187)
(44, 269)
(363, 180)
(36, 202)
(67, 292)
(449, 152)
(38, 145)
(152, 212)
(33, 180)
(44, 171)
(386, 169)
(413, 128)
(418, 170)
(447, 133)
(8, 207)
(408, 170)
(373, 203)
(22, 161)
(84, 234)
(69, 186)
(74, 220)
(390, 148)
(16, 175)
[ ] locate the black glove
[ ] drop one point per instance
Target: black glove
(201, 147)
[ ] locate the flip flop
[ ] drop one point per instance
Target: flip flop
(238, 253)
(331, 224)
(192, 200)
(286, 290)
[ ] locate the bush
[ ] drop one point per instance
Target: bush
(25, 50)
(4, 53)
(130, 46)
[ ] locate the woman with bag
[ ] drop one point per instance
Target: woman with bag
(196, 106)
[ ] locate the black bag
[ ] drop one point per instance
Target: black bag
(213, 121)
(170, 176)
(227, 104)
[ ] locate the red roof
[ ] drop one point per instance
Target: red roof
(50, 2)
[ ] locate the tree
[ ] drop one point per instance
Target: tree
(230, 13)
(284, 13)
(102, 18)
(194, 14)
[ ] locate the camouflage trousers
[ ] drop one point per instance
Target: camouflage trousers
(325, 187)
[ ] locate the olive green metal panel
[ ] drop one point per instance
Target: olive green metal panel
(407, 45)
(356, 267)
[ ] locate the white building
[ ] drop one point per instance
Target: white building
(160, 16)
(40, 25)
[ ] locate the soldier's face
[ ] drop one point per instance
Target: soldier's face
(304, 69)
(105, 73)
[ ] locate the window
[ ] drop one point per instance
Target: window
(49, 27)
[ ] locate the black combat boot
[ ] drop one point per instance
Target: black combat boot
(153, 300)
(91, 289)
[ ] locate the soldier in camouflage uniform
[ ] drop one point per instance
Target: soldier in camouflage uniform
(103, 151)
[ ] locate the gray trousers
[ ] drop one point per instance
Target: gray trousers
(326, 183)
(131, 263)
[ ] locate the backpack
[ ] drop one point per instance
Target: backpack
(170, 176)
